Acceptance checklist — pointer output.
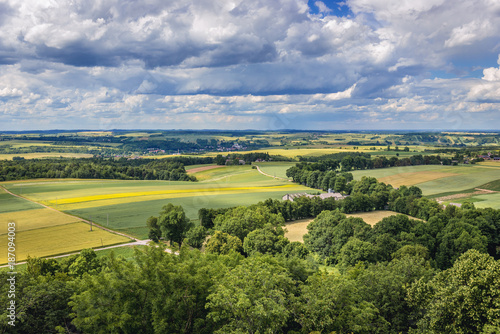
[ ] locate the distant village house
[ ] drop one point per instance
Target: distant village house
(335, 195)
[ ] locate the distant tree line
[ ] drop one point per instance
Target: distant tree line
(94, 168)
(234, 158)
(109, 168)
(324, 174)
(8, 149)
(333, 156)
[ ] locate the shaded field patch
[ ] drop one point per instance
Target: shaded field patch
(493, 185)
(9, 203)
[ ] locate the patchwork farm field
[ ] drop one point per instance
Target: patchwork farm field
(435, 180)
(448, 184)
(43, 231)
(125, 205)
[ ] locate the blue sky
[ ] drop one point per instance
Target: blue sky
(262, 64)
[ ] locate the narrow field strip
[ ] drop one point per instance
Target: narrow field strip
(32, 219)
(163, 192)
(204, 168)
(373, 217)
(57, 240)
(412, 178)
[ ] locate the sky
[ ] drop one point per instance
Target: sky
(260, 64)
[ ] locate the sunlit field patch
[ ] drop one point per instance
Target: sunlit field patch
(373, 217)
(490, 163)
(58, 240)
(412, 178)
(33, 219)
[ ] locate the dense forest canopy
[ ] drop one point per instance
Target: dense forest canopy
(95, 168)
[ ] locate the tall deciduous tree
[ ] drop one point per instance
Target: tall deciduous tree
(254, 297)
(223, 243)
(154, 230)
(267, 240)
(173, 223)
(332, 303)
(462, 299)
(196, 236)
(242, 220)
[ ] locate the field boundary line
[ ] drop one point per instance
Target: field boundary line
(478, 191)
(487, 190)
(43, 227)
(225, 176)
(202, 169)
(135, 243)
(67, 214)
(274, 177)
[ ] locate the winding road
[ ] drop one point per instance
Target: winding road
(274, 177)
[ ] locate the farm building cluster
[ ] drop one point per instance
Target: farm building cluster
(329, 194)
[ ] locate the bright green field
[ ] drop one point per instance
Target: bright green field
(125, 205)
(480, 201)
(275, 168)
(487, 201)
